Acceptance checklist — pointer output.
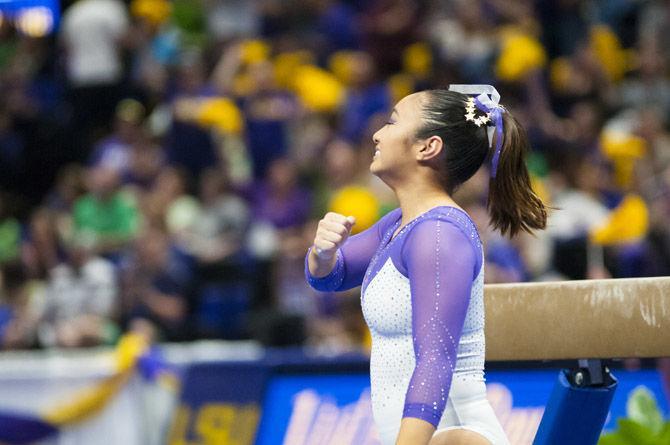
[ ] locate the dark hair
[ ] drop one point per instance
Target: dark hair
(512, 204)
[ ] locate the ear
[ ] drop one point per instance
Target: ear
(429, 148)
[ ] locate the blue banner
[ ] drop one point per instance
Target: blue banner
(297, 399)
(220, 403)
(302, 409)
(315, 409)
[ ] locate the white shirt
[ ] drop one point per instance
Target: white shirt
(92, 290)
(90, 31)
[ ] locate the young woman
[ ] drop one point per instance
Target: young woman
(421, 266)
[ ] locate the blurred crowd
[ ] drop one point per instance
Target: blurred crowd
(163, 164)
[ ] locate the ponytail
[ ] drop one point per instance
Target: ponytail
(512, 204)
(457, 118)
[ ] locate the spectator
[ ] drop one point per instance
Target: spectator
(192, 88)
(167, 204)
(337, 26)
(106, 217)
(217, 234)
(279, 199)
(81, 300)
(68, 188)
(10, 232)
(42, 249)
(389, 25)
(146, 160)
(92, 33)
(267, 111)
(113, 152)
(155, 285)
(464, 40)
(366, 98)
(18, 320)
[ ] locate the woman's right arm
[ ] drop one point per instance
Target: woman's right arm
(332, 231)
(336, 262)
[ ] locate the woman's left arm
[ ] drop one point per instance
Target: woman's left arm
(441, 262)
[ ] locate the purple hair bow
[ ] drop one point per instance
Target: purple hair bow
(486, 100)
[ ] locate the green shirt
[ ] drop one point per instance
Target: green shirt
(10, 239)
(115, 218)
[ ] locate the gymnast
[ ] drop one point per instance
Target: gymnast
(421, 266)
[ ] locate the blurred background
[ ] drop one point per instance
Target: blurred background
(166, 161)
(163, 164)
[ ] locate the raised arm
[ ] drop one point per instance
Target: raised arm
(341, 261)
(441, 263)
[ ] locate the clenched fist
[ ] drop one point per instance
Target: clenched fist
(332, 232)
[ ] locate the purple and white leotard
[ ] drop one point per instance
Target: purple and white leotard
(422, 298)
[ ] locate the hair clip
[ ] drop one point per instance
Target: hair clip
(487, 101)
(470, 114)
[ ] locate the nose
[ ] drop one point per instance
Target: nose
(375, 138)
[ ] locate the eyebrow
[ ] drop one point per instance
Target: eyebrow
(395, 111)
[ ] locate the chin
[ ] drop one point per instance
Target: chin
(374, 169)
(378, 172)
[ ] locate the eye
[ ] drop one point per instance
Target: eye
(390, 123)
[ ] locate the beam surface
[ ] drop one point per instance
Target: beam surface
(615, 318)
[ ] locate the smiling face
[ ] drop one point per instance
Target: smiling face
(397, 149)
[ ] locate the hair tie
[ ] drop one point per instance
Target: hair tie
(486, 100)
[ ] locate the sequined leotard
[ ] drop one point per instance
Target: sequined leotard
(422, 298)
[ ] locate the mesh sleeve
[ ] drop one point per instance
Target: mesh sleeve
(332, 281)
(441, 262)
(353, 258)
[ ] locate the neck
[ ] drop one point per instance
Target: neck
(420, 195)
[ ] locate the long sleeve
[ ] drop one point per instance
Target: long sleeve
(353, 258)
(441, 264)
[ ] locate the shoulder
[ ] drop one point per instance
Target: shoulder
(448, 226)
(391, 217)
(387, 221)
(453, 216)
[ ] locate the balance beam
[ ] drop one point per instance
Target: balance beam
(616, 318)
